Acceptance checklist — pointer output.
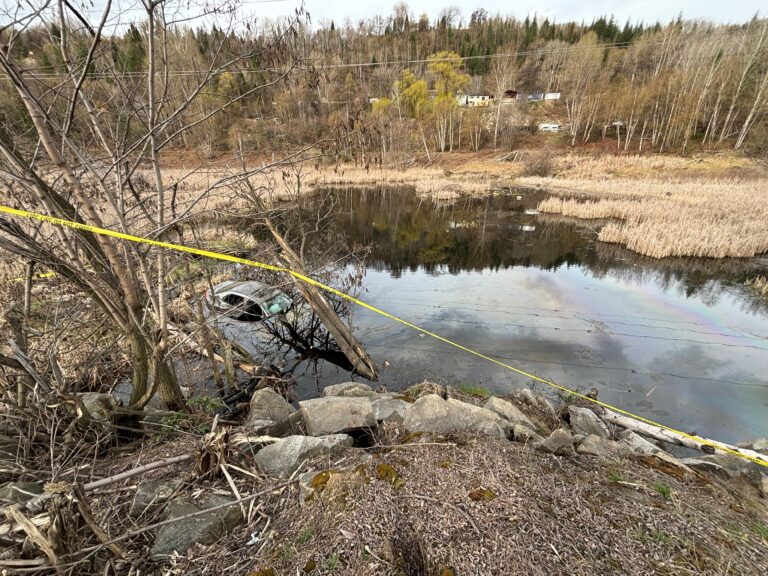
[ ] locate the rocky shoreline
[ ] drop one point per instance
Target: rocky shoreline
(359, 455)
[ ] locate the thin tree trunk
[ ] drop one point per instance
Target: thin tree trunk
(352, 349)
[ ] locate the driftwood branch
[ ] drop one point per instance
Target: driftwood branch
(135, 472)
(33, 532)
(349, 345)
(665, 435)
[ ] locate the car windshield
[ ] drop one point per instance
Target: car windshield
(277, 304)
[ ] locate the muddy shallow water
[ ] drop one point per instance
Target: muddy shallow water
(678, 341)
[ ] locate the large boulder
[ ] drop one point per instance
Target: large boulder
(335, 414)
(389, 410)
(706, 467)
(431, 413)
(601, 447)
(271, 415)
(349, 389)
(637, 444)
(758, 445)
(152, 494)
(287, 455)
(738, 468)
(560, 443)
(97, 406)
(524, 434)
(509, 412)
(204, 529)
(528, 396)
(266, 404)
(585, 421)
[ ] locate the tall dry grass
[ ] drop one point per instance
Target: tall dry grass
(281, 184)
(668, 216)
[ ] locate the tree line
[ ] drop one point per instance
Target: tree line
(670, 87)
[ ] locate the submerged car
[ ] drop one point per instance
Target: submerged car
(248, 301)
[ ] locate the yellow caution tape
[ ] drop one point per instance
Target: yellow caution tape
(41, 275)
(308, 280)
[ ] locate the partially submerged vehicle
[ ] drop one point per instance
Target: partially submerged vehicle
(248, 301)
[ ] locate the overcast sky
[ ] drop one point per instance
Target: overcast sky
(560, 10)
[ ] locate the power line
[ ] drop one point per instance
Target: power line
(281, 70)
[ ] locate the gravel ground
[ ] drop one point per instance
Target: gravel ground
(474, 505)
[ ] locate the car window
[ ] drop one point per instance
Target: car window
(252, 312)
(233, 300)
(277, 304)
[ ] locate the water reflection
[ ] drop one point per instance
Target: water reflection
(674, 339)
(408, 232)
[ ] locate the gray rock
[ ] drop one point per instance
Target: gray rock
(560, 442)
(98, 406)
(598, 446)
(528, 396)
(306, 490)
(336, 414)
(524, 434)
(291, 425)
(286, 456)
(578, 438)
(204, 529)
(637, 444)
(545, 405)
(431, 413)
(152, 494)
(492, 429)
(389, 410)
(18, 492)
(706, 467)
(349, 389)
(268, 405)
(509, 412)
(758, 445)
(736, 467)
(586, 422)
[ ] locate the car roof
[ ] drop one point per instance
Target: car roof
(250, 289)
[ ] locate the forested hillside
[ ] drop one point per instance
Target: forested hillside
(387, 85)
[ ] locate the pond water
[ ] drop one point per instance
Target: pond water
(677, 340)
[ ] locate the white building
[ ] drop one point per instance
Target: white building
(467, 101)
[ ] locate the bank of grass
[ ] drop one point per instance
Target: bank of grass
(668, 216)
(235, 193)
(708, 205)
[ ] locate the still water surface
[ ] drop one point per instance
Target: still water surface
(676, 340)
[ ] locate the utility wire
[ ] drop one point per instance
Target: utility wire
(682, 39)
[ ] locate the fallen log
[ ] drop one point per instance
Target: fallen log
(349, 345)
(135, 471)
(689, 441)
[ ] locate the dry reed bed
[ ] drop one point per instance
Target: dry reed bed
(668, 217)
(226, 190)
